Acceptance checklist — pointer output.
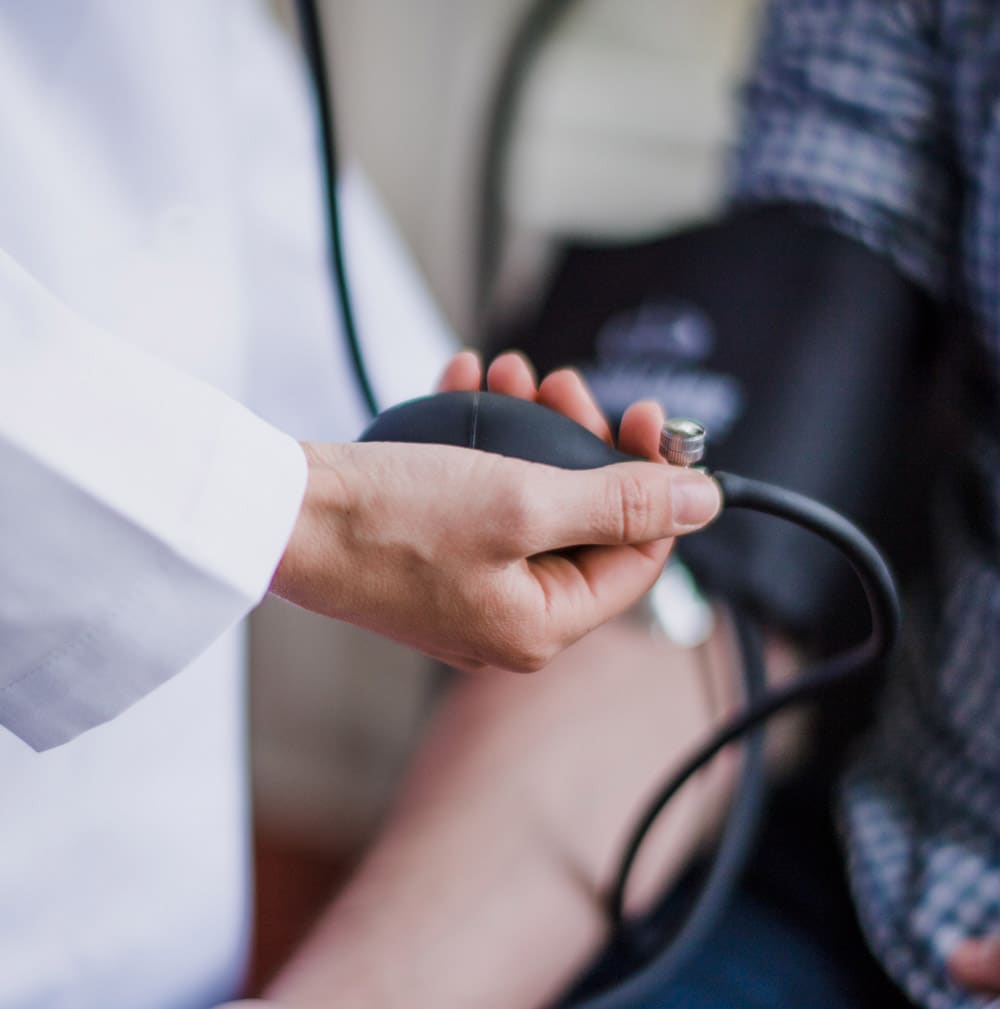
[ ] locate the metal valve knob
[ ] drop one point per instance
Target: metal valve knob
(682, 441)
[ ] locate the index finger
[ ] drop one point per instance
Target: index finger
(566, 392)
(464, 372)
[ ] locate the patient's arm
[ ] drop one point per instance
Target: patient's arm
(484, 889)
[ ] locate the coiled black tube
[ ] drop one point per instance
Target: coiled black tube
(883, 600)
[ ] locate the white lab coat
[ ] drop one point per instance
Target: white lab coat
(162, 256)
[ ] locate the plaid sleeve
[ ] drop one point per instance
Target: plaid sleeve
(846, 110)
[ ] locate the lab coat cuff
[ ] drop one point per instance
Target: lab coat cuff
(251, 501)
(186, 590)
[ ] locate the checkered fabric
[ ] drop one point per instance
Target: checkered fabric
(886, 114)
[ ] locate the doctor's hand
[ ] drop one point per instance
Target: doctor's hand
(476, 559)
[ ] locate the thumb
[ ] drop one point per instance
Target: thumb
(627, 503)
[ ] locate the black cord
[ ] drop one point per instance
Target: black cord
(883, 600)
(312, 42)
(660, 958)
(739, 832)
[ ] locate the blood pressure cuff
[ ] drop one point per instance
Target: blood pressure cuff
(800, 350)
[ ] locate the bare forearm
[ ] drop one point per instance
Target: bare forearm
(485, 887)
(446, 916)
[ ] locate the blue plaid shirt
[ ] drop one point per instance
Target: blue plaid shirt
(886, 113)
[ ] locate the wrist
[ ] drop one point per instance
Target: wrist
(308, 546)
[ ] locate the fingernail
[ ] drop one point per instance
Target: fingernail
(696, 499)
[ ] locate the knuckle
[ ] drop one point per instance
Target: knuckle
(635, 508)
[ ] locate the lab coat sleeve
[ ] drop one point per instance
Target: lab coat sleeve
(142, 513)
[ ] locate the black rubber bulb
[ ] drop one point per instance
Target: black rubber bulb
(494, 423)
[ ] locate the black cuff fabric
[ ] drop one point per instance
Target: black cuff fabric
(801, 350)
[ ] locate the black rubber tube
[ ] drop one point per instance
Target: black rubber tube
(527, 41)
(883, 600)
(739, 835)
(312, 42)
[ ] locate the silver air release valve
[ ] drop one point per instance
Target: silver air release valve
(682, 442)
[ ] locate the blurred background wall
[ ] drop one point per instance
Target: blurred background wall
(623, 131)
